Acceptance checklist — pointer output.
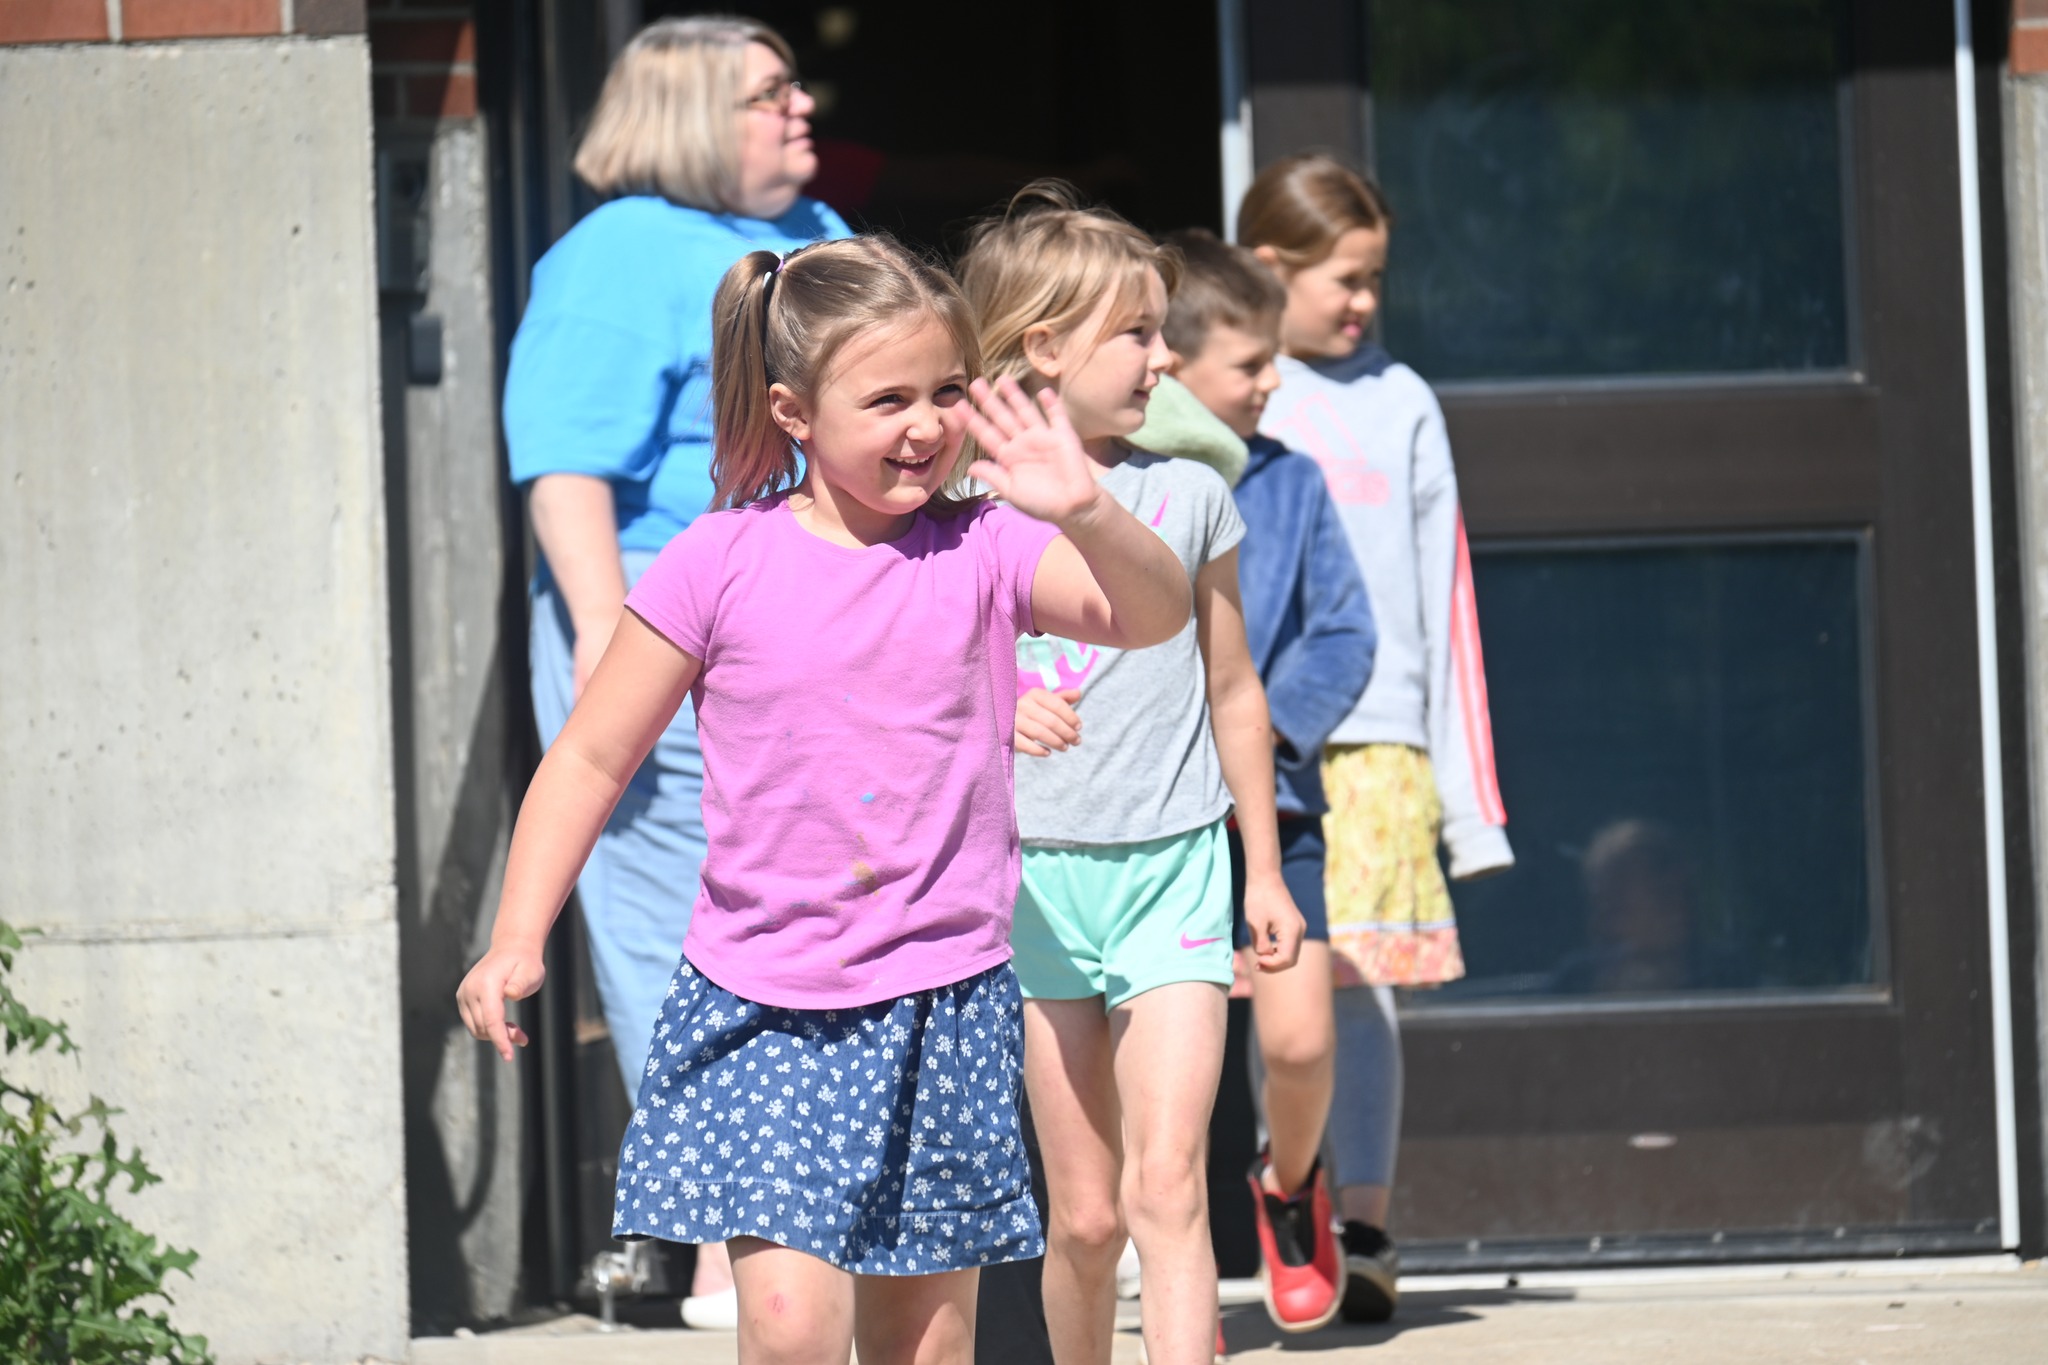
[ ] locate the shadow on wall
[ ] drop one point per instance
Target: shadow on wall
(462, 729)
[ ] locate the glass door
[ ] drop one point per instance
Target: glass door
(1687, 279)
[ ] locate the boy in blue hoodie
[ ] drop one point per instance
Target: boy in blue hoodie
(1310, 627)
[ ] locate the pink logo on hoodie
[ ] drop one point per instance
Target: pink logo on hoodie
(1351, 477)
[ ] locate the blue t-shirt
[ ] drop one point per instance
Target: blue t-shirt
(611, 367)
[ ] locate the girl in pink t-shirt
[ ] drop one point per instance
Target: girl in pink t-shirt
(832, 1083)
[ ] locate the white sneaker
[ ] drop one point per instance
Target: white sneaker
(1127, 1277)
(713, 1312)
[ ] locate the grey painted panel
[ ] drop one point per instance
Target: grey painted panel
(2026, 189)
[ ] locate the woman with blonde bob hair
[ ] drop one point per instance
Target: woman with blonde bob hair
(700, 147)
(664, 126)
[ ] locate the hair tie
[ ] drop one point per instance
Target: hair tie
(767, 298)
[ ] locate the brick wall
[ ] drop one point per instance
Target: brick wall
(422, 53)
(422, 59)
(138, 21)
(2029, 37)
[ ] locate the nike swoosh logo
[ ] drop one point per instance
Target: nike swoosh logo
(1187, 942)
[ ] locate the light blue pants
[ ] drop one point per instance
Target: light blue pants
(637, 889)
(1365, 1113)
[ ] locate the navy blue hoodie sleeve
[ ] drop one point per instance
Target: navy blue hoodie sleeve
(1320, 675)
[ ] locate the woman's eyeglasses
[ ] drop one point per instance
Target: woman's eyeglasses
(774, 98)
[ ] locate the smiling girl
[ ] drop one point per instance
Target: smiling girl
(1124, 917)
(831, 1085)
(700, 149)
(1412, 763)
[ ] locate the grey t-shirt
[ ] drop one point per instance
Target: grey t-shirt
(1146, 766)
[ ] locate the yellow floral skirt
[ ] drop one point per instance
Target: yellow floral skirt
(1390, 911)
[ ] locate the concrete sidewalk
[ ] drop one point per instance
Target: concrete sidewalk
(1851, 1315)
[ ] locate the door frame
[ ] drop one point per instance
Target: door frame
(1295, 76)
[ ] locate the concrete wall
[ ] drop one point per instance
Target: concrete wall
(2026, 189)
(196, 797)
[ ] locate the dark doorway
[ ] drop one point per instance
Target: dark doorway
(931, 113)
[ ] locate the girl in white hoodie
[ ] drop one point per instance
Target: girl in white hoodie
(1413, 762)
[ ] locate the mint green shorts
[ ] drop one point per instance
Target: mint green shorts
(1117, 920)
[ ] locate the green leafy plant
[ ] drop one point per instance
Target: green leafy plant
(73, 1272)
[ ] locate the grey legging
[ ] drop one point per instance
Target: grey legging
(1365, 1114)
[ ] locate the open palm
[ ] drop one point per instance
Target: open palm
(1034, 461)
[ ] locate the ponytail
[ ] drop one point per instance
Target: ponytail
(782, 320)
(751, 457)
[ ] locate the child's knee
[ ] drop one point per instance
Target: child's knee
(1089, 1225)
(1170, 1187)
(914, 1339)
(784, 1327)
(1299, 1055)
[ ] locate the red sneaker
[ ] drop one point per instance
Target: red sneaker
(1298, 1244)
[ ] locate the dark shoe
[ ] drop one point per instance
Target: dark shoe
(1372, 1274)
(1304, 1274)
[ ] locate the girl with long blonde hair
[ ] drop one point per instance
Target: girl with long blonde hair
(1123, 924)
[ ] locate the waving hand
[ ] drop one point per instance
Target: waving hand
(1034, 461)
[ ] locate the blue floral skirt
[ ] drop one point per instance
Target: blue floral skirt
(884, 1138)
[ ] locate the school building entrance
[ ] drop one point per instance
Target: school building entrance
(1690, 281)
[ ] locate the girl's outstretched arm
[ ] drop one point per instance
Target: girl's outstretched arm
(629, 701)
(1108, 580)
(1244, 743)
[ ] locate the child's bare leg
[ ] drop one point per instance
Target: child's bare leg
(713, 1274)
(915, 1319)
(1297, 1032)
(794, 1308)
(1070, 1075)
(1169, 1056)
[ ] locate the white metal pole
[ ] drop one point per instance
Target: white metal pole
(1987, 632)
(1237, 111)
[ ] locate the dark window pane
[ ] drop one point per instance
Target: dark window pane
(1612, 187)
(1682, 743)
